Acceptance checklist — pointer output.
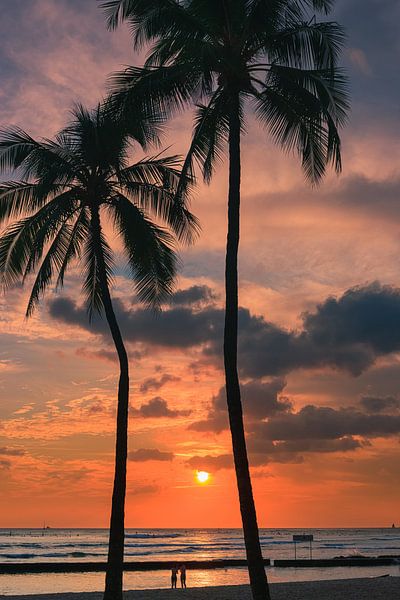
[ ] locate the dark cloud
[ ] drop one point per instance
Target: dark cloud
(180, 327)
(7, 451)
(5, 464)
(322, 422)
(210, 463)
(377, 196)
(264, 449)
(263, 452)
(145, 454)
(260, 400)
(362, 316)
(214, 463)
(355, 192)
(98, 407)
(141, 490)
(276, 433)
(157, 407)
(373, 404)
(347, 333)
(287, 436)
(104, 355)
(152, 383)
(194, 295)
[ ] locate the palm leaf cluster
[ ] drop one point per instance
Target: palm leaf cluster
(274, 54)
(47, 214)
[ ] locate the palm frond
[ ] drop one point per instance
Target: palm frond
(307, 45)
(22, 243)
(150, 19)
(92, 285)
(117, 11)
(152, 184)
(303, 111)
(53, 260)
(99, 140)
(42, 161)
(21, 197)
(324, 6)
(160, 91)
(15, 146)
(149, 249)
(79, 233)
(210, 134)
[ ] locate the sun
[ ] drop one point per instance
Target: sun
(202, 476)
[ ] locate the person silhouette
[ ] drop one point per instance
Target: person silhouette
(182, 569)
(174, 576)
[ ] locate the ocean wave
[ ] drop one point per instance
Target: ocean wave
(280, 542)
(391, 537)
(21, 545)
(69, 554)
(18, 555)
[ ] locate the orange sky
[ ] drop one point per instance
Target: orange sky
(323, 424)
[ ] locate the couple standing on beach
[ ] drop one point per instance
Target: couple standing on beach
(174, 575)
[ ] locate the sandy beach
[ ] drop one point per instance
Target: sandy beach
(387, 588)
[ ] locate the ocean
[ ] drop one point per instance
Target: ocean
(69, 545)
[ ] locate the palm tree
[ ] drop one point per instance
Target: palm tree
(227, 56)
(54, 215)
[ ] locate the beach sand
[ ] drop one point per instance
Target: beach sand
(387, 588)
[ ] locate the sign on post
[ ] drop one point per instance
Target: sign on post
(304, 537)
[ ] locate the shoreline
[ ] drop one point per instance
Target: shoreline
(380, 588)
(156, 565)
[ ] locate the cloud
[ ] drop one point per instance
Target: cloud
(104, 355)
(344, 444)
(152, 383)
(194, 295)
(210, 463)
(145, 454)
(374, 404)
(214, 463)
(260, 400)
(322, 422)
(7, 451)
(362, 316)
(277, 433)
(26, 408)
(143, 489)
(180, 327)
(347, 333)
(5, 464)
(155, 408)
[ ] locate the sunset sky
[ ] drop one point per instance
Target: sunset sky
(319, 321)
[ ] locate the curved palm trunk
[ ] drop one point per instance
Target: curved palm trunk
(258, 578)
(115, 562)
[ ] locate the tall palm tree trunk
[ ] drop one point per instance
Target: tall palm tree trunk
(115, 561)
(258, 579)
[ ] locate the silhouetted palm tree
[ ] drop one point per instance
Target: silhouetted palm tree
(54, 216)
(227, 56)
